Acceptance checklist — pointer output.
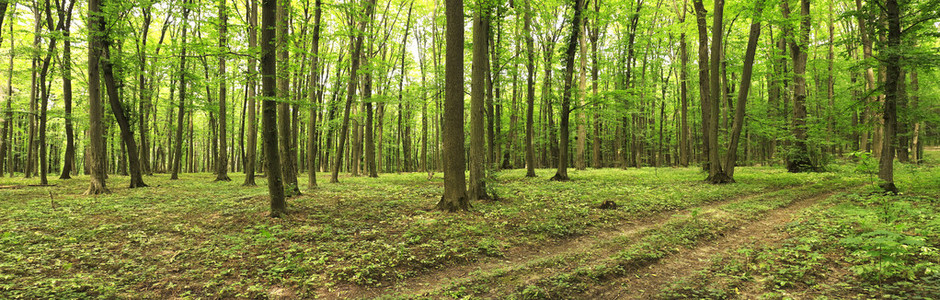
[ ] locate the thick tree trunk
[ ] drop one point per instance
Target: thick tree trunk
(6, 137)
(96, 149)
(477, 189)
(579, 162)
(893, 77)
(269, 84)
(455, 193)
(799, 159)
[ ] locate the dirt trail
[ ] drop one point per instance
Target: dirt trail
(647, 282)
(588, 249)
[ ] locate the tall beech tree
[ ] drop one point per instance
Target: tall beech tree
(455, 185)
(269, 107)
(572, 48)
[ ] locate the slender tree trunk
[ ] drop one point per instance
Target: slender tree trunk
(222, 155)
(562, 173)
(178, 158)
(122, 118)
(312, 99)
(6, 137)
(753, 38)
(703, 76)
(288, 172)
(530, 91)
(356, 53)
(252, 121)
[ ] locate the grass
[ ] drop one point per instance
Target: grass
(198, 238)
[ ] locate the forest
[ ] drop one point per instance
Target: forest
(437, 149)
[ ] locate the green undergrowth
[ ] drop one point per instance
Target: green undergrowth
(862, 244)
(682, 231)
(195, 237)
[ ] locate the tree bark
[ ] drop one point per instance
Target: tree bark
(477, 189)
(178, 158)
(799, 159)
(893, 77)
(753, 37)
(269, 93)
(455, 193)
(288, 172)
(96, 148)
(562, 173)
(312, 99)
(356, 53)
(252, 119)
(530, 91)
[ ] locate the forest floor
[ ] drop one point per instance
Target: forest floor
(770, 235)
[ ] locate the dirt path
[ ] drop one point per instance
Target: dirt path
(524, 265)
(647, 282)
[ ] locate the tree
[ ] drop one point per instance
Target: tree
(69, 163)
(312, 94)
(252, 120)
(530, 91)
(562, 173)
(96, 155)
(222, 158)
(355, 43)
(477, 189)
(288, 172)
(455, 193)
(798, 160)
(269, 93)
(117, 107)
(892, 79)
(178, 158)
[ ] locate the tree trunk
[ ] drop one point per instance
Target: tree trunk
(455, 193)
(798, 159)
(96, 149)
(252, 119)
(685, 133)
(69, 163)
(741, 104)
(356, 53)
(477, 189)
(312, 99)
(562, 173)
(288, 172)
(222, 158)
(269, 87)
(178, 158)
(703, 78)
(893, 77)
(530, 91)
